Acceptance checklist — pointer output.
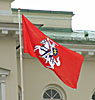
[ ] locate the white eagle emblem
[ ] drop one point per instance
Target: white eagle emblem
(47, 50)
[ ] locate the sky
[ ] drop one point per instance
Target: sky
(84, 10)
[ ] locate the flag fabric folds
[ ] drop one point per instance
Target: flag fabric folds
(65, 63)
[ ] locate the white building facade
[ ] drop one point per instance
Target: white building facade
(41, 83)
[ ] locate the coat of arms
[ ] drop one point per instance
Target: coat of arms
(47, 51)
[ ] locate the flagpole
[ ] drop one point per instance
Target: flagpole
(21, 64)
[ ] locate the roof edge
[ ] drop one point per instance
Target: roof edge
(44, 11)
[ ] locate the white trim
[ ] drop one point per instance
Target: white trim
(3, 89)
(53, 18)
(4, 31)
(87, 50)
(58, 89)
(5, 12)
(3, 74)
(4, 71)
(79, 45)
(91, 53)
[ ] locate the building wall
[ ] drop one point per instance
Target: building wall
(5, 4)
(36, 78)
(47, 18)
(5, 11)
(8, 61)
(86, 83)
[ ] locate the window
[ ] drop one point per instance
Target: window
(93, 96)
(51, 94)
(54, 92)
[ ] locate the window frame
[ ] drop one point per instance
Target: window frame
(58, 89)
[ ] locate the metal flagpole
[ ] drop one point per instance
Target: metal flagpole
(21, 65)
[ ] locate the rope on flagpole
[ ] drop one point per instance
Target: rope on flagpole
(21, 64)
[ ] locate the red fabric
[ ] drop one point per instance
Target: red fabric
(70, 62)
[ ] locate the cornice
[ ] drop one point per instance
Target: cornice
(44, 11)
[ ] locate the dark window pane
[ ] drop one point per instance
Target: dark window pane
(45, 96)
(57, 96)
(49, 92)
(53, 92)
(93, 97)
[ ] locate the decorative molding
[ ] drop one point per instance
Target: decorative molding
(44, 11)
(4, 31)
(4, 71)
(91, 53)
(5, 12)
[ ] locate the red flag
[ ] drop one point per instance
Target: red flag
(64, 62)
